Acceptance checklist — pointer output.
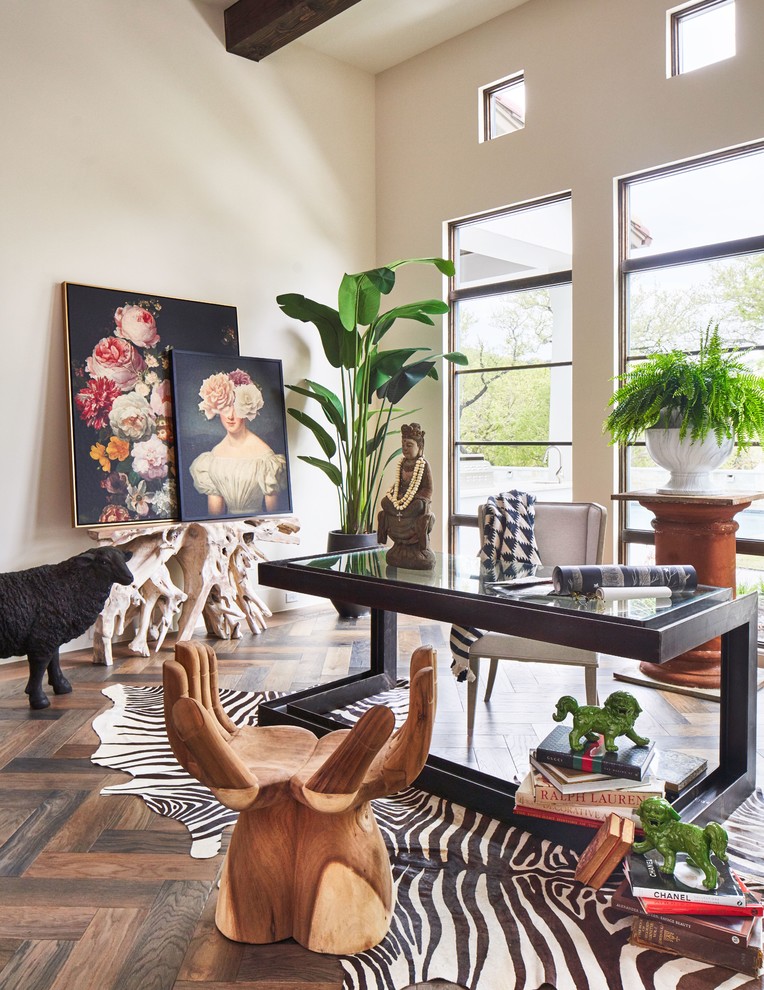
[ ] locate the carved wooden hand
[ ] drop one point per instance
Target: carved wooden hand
(306, 858)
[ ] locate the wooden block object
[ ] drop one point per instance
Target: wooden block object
(306, 858)
(602, 856)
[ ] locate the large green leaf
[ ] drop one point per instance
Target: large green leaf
(358, 301)
(326, 441)
(329, 402)
(402, 382)
(385, 364)
(324, 318)
(330, 470)
(456, 357)
(376, 441)
(411, 311)
(382, 278)
(443, 265)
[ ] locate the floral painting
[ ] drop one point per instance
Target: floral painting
(123, 449)
(231, 436)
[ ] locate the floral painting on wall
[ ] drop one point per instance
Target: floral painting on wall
(230, 422)
(118, 345)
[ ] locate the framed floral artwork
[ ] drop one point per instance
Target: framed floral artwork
(231, 436)
(121, 425)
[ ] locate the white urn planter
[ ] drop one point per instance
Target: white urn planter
(689, 462)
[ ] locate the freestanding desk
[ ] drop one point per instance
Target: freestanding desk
(455, 592)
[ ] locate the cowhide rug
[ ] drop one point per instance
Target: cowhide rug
(478, 902)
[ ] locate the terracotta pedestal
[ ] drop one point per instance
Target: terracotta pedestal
(698, 530)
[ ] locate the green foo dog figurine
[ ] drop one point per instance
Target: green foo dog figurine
(665, 832)
(615, 718)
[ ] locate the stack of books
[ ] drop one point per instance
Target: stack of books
(584, 788)
(676, 914)
(604, 853)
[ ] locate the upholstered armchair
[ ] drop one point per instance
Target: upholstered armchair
(566, 533)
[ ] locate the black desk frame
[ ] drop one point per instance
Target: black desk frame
(713, 796)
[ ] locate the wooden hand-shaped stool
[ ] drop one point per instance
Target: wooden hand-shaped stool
(306, 858)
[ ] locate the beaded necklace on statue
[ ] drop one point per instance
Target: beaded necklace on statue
(413, 486)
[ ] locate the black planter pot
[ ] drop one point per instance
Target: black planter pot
(335, 541)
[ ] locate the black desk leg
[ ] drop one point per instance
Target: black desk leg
(384, 643)
(737, 717)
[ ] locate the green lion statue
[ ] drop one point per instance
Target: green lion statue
(665, 832)
(615, 718)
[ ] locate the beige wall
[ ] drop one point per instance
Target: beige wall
(599, 106)
(138, 154)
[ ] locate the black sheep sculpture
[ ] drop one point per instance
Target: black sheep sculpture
(44, 607)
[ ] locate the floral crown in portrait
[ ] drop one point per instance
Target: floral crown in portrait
(226, 389)
(413, 431)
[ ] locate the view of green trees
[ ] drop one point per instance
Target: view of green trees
(510, 331)
(668, 308)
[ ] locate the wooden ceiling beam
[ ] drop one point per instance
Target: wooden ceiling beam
(256, 28)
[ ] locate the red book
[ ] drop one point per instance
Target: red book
(734, 930)
(604, 853)
(556, 816)
(753, 906)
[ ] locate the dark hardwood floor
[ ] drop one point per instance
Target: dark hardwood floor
(99, 892)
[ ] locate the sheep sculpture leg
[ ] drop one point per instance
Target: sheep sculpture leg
(39, 662)
(306, 858)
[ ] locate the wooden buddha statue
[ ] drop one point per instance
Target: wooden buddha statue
(405, 515)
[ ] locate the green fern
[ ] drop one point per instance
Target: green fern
(711, 392)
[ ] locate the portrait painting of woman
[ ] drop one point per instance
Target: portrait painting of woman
(231, 436)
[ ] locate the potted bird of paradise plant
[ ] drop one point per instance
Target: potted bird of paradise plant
(373, 380)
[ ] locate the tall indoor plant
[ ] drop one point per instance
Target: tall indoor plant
(689, 406)
(373, 382)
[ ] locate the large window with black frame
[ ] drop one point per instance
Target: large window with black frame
(510, 406)
(692, 255)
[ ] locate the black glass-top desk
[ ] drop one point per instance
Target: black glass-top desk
(455, 592)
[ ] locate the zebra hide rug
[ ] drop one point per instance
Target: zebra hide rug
(478, 902)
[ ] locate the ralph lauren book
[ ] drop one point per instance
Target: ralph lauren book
(630, 761)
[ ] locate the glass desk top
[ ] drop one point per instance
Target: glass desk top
(529, 586)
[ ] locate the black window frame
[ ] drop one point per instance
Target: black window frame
(504, 287)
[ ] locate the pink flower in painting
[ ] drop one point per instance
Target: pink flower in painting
(94, 402)
(217, 394)
(131, 417)
(239, 377)
(118, 360)
(150, 459)
(136, 325)
(114, 513)
(161, 399)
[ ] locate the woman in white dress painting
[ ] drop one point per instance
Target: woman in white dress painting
(241, 474)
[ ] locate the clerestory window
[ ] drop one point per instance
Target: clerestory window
(700, 34)
(502, 107)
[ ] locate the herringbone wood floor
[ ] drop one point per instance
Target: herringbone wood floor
(99, 892)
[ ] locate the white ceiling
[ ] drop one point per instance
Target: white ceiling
(377, 34)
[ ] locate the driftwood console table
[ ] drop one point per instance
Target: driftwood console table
(217, 562)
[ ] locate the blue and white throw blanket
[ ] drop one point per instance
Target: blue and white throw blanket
(508, 540)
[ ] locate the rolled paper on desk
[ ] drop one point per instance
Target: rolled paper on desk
(622, 594)
(589, 577)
